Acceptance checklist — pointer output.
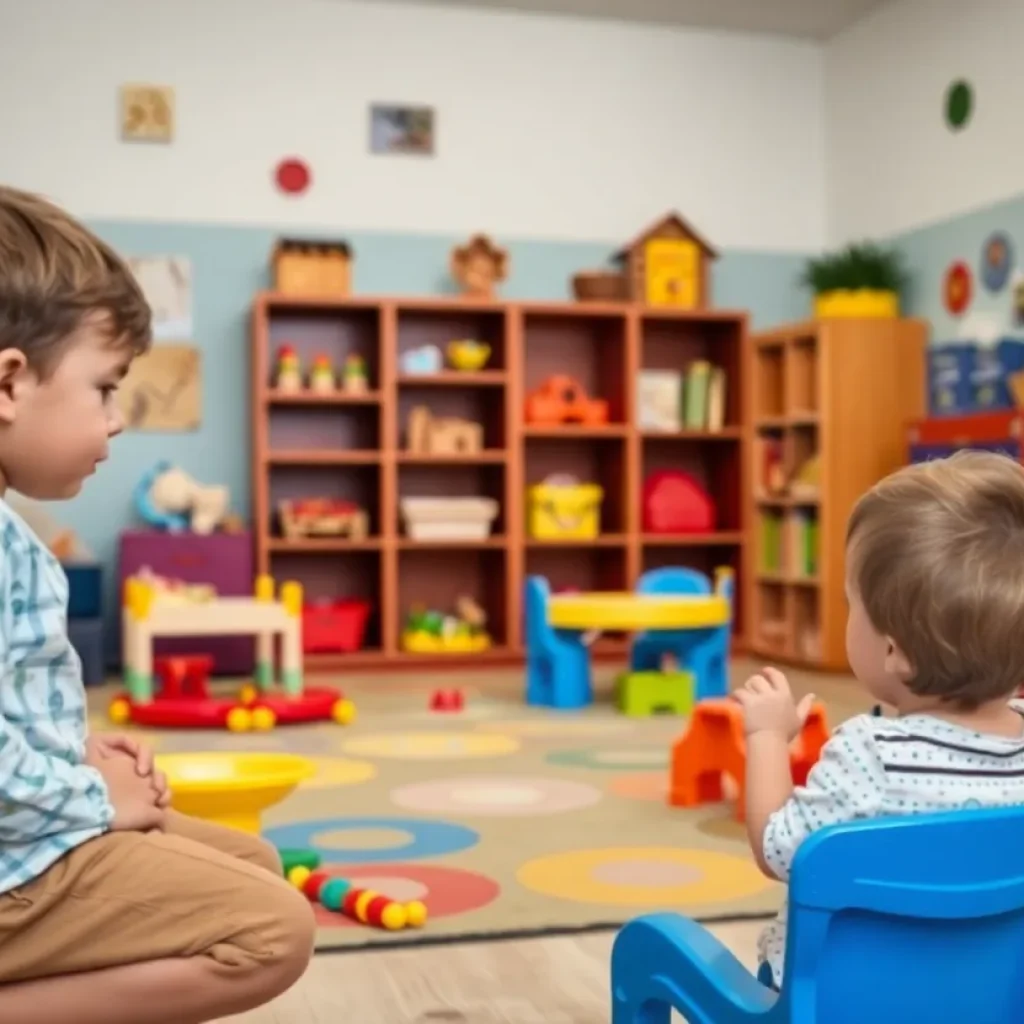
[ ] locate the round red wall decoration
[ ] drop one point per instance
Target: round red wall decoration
(957, 288)
(293, 176)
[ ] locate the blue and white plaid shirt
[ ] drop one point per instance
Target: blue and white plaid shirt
(50, 802)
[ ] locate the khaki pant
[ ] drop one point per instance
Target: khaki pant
(195, 889)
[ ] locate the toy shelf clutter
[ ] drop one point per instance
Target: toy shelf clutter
(829, 402)
(489, 440)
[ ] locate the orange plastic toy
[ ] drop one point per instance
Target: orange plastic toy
(564, 400)
(714, 745)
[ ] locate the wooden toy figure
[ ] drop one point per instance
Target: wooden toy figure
(354, 374)
(289, 371)
(321, 375)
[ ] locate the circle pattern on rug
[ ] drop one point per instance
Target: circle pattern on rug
(497, 796)
(637, 759)
(432, 746)
(651, 786)
(655, 876)
(373, 840)
(560, 726)
(338, 771)
(446, 891)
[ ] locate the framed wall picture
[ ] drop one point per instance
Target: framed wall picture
(147, 113)
(166, 281)
(399, 129)
(162, 391)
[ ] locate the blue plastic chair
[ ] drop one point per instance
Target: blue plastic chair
(910, 920)
(557, 661)
(704, 652)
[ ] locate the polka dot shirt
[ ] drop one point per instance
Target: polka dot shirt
(878, 766)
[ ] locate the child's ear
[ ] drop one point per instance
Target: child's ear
(12, 369)
(896, 662)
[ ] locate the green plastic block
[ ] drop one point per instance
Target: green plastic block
(292, 682)
(299, 859)
(641, 694)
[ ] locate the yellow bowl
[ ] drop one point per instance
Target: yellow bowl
(232, 789)
(468, 356)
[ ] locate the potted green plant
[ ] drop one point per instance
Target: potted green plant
(862, 280)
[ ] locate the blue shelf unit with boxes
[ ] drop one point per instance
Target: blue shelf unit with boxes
(85, 618)
(966, 377)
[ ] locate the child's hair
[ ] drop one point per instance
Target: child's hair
(54, 274)
(937, 558)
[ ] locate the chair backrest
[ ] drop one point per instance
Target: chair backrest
(535, 609)
(672, 580)
(909, 919)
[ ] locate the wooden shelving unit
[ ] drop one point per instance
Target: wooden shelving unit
(352, 447)
(840, 392)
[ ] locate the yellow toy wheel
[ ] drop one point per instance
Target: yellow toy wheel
(343, 712)
(248, 694)
(120, 711)
(239, 720)
(263, 719)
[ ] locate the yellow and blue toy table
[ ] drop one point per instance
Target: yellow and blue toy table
(558, 660)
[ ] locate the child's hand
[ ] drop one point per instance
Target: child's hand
(768, 705)
(119, 745)
(135, 798)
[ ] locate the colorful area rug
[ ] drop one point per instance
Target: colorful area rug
(504, 820)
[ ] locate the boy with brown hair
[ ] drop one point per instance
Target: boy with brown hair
(935, 584)
(113, 908)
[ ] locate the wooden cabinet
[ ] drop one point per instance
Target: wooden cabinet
(829, 403)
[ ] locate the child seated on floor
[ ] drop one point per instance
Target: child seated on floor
(113, 909)
(935, 585)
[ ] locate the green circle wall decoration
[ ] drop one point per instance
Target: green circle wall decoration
(959, 104)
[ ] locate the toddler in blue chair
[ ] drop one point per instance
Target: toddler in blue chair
(935, 631)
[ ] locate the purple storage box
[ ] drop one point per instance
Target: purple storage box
(223, 560)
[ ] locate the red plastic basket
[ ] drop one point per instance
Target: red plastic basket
(331, 627)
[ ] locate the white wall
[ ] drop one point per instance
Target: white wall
(892, 162)
(548, 128)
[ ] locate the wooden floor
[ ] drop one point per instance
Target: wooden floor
(529, 981)
(560, 980)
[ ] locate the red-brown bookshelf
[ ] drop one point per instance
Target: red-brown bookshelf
(350, 446)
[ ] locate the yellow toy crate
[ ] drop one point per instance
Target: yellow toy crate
(561, 508)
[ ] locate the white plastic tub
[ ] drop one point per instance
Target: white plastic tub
(449, 518)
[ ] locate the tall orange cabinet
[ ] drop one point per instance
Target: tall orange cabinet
(829, 402)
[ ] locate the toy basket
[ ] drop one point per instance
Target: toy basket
(449, 518)
(600, 286)
(562, 508)
(334, 626)
(322, 517)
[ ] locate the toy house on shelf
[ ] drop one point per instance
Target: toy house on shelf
(471, 476)
(669, 264)
(808, 412)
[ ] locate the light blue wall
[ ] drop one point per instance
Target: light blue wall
(230, 264)
(929, 251)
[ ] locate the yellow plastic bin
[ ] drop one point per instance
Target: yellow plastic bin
(562, 508)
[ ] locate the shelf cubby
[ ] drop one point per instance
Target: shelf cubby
(589, 347)
(335, 576)
(598, 460)
(455, 481)
(436, 324)
(435, 580)
(360, 484)
(715, 467)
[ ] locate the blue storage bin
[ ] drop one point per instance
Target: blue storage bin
(949, 379)
(86, 636)
(85, 586)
